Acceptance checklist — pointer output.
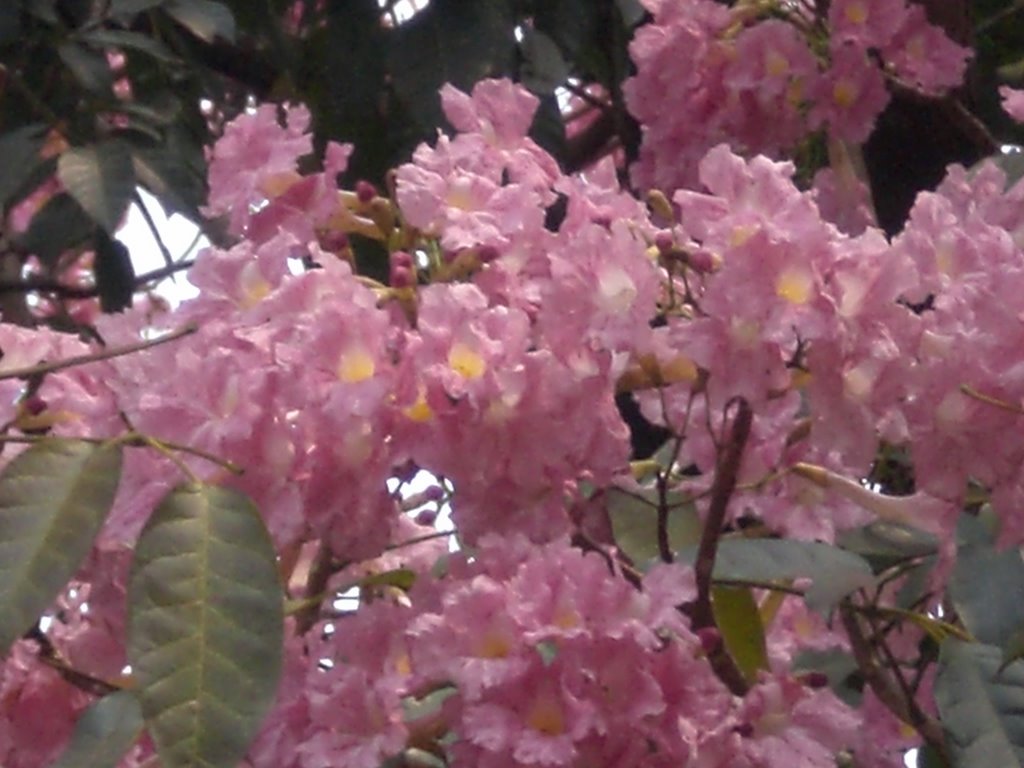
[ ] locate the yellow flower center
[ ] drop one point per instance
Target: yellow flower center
(356, 365)
(466, 362)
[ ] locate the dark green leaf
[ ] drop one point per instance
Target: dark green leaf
(982, 711)
(834, 572)
(19, 156)
(173, 175)
(10, 24)
(632, 11)
(116, 38)
(205, 626)
(60, 224)
(634, 518)
(570, 23)
(543, 68)
(132, 7)
(115, 275)
(450, 41)
(205, 19)
(89, 67)
(43, 9)
(101, 178)
(739, 620)
(104, 733)
(54, 498)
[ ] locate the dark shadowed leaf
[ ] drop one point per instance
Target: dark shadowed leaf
(132, 7)
(450, 41)
(133, 41)
(175, 174)
(982, 710)
(61, 224)
(10, 24)
(89, 67)
(115, 275)
(53, 500)
(544, 68)
(205, 19)
(104, 733)
(101, 178)
(205, 626)
(19, 156)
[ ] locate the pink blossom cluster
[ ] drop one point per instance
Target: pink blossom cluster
(544, 656)
(707, 74)
(522, 300)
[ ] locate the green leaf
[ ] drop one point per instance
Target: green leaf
(173, 176)
(834, 572)
(89, 67)
(117, 38)
(101, 178)
(634, 518)
(205, 626)
(132, 7)
(205, 19)
(982, 711)
(115, 275)
(987, 586)
(1013, 649)
(53, 500)
(104, 733)
(883, 544)
(739, 620)
(19, 156)
(402, 578)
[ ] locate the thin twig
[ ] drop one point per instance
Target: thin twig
(43, 285)
(106, 354)
(168, 260)
(726, 472)
(884, 687)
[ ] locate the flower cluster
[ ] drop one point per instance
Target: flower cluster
(708, 74)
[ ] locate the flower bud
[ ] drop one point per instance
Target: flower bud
(710, 639)
(365, 191)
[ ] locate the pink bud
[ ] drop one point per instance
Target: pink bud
(365, 191)
(815, 679)
(35, 405)
(710, 639)
(334, 241)
(426, 517)
(487, 254)
(664, 241)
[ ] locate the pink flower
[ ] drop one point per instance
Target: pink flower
(1013, 102)
(850, 95)
(924, 56)
(253, 155)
